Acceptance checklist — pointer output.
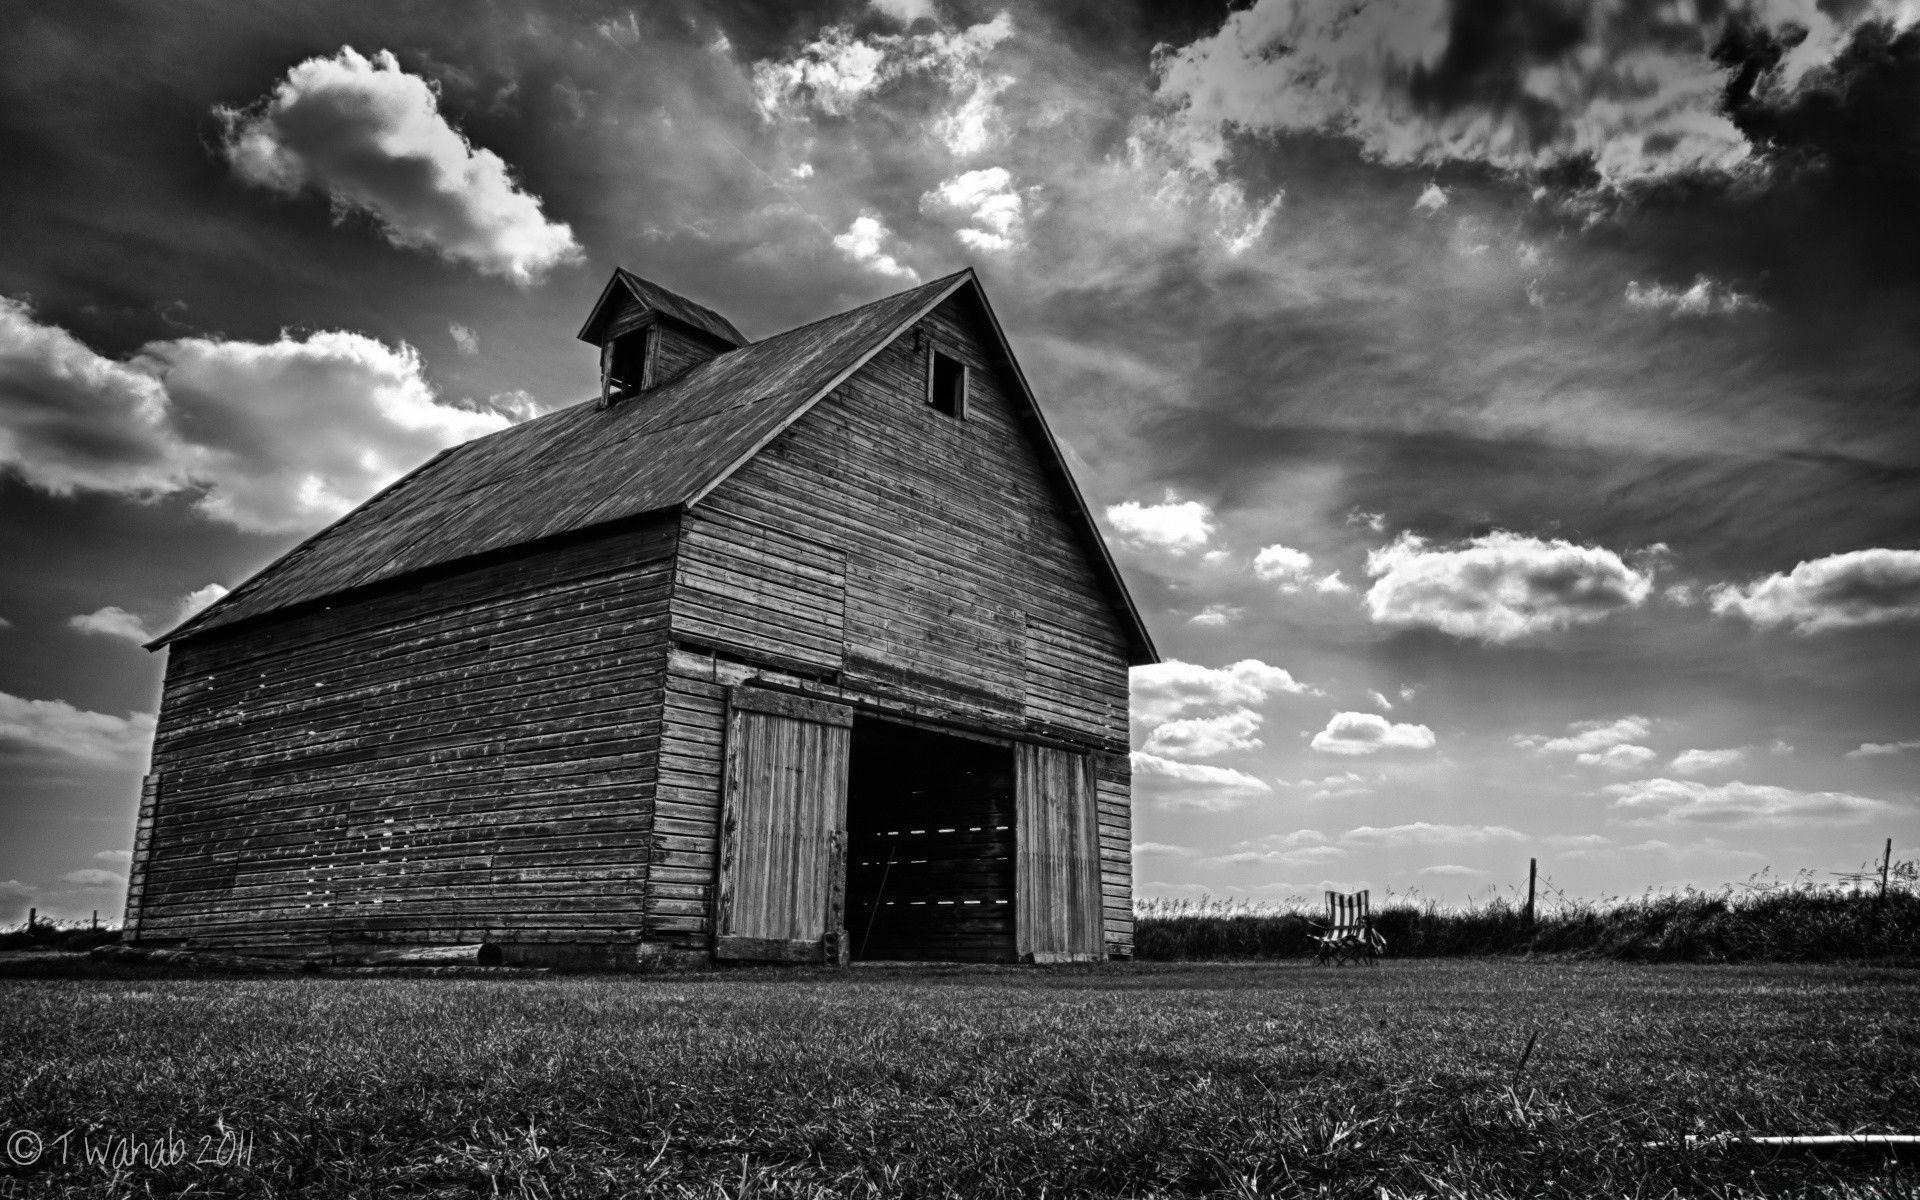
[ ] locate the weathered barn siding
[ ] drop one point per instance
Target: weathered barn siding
(913, 562)
(470, 757)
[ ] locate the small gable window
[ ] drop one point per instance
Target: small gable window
(947, 384)
(626, 364)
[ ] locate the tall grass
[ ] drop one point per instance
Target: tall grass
(1763, 920)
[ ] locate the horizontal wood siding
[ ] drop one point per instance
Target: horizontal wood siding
(468, 759)
(686, 819)
(1113, 777)
(967, 591)
(753, 588)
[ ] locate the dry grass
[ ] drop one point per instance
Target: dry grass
(1114, 1080)
(1763, 920)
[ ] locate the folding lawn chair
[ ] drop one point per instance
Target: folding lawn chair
(1350, 936)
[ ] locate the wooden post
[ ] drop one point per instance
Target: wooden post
(1533, 874)
(96, 918)
(32, 915)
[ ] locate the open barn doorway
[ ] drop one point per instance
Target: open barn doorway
(930, 846)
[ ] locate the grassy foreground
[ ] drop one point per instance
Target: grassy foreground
(1113, 1080)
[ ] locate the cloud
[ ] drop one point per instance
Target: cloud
(1432, 200)
(1302, 847)
(1195, 785)
(118, 622)
(274, 437)
(1881, 749)
(1587, 737)
(905, 11)
(1841, 591)
(1355, 733)
(112, 621)
(464, 339)
(1618, 758)
(1282, 565)
(120, 856)
(1698, 762)
(1421, 833)
(1705, 298)
(1146, 848)
(94, 877)
(1379, 700)
(837, 70)
(1216, 615)
(1175, 526)
(59, 727)
(1205, 737)
(1740, 805)
(371, 138)
(986, 198)
(1630, 89)
(1451, 871)
(861, 243)
(1164, 690)
(1500, 586)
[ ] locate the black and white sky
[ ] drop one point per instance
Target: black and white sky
(1506, 412)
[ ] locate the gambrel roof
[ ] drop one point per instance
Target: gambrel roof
(588, 465)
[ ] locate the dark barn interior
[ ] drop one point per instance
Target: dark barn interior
(930, 846)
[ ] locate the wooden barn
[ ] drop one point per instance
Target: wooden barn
(800, 649)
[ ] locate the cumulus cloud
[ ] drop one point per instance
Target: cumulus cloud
(905, 11)
(986, 198)
(1499, 587)
(1421, 833)
(1618, 758)
(371, 138)
(1739, 805)
(1176, 526)
(112, 621)
(837, 70)
(94, 877)
(1356, 733)
(1705, 298)
(1516, 86)
(1217, 615)
(1699, 762)
(58, 727)
(1163, 691)
(273, 437)
(1283, 565)
(464, 339)
(1432, 200)
(1206, 737)
(862, 243)
(1195, 785)
(1841, 591)
(1587, 737)
(122, 857)
(1881, 749)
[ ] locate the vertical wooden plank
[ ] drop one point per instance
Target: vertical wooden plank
(783, 837)
(1057, 882)
(142, 851)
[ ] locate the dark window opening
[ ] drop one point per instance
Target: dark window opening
(930, 846)
(624, 361)
(947, 385)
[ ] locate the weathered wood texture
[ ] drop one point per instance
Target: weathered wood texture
(468, 758)
(782, 828)
(911, 561)
(1057, 866)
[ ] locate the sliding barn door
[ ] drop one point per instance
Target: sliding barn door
(782, 885)
(1057, 903)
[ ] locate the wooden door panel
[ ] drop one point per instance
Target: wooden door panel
(1058, 903)
(782, 872)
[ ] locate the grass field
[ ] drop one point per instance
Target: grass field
(1139, 1079)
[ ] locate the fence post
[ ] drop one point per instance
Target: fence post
(33, 914)
(1886, 861)
(96, 918)
(1533, 874)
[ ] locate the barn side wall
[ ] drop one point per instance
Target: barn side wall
(882, 552)
(468, 758)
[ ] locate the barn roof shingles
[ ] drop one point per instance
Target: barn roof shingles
(587, 465)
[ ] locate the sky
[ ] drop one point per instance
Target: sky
(1503, 413)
